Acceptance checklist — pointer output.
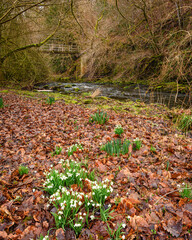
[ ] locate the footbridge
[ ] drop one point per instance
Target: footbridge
(59, 48)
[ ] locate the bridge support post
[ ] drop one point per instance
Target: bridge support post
(85, 65)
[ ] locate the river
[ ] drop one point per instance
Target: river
(134, 93)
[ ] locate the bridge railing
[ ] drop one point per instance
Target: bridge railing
(60, 48)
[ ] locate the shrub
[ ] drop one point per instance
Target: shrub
(1, 103)
(100, 191)
(116, 147)
(119, 130)
(50, 100)
(57, 151)
(99, 117)
(185, 123)
(23, 170)
(25, 67)
(186, 192)
(74, 148)
(75, 208)
(136, 144)
(153, 149)
(73, 174)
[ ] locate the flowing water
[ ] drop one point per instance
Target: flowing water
(134, 93)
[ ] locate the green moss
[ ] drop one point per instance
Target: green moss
(88, 101)
(4, 91)
(103, 97)
(137, 108)
(76, 89)
(28, 218)
(26, 93)
(69, 101)
(68, 86)
(106, 106)
(86, 94)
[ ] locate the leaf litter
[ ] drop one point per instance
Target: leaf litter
(147, 182)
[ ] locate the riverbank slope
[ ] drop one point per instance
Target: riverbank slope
(148, 195)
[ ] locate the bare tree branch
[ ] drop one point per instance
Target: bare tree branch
(29, 46)
(32, 6)
(8, 11)
(73, 14)
(116, 3)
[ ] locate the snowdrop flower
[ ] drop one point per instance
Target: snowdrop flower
(62, 207)
(123, 225)
(92, 217)
(46, 238)
(123, 237)
(63, 177)
(77, 225)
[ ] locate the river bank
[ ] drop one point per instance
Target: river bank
(133, 92)
(147, 199)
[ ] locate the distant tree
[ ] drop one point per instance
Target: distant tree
(18, 21)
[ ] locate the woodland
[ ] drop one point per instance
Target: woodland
(119, 41)
(86, 166)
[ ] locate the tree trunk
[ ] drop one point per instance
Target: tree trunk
(2, 78)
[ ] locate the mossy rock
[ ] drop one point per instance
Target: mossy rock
(68, 86)
(71, 101)
(104, 98)
(86, 94)
(88, 101)
(46, 87)
(76, 89)
(56, 88)
(126, 87)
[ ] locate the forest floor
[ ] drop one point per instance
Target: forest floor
(150, 185)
